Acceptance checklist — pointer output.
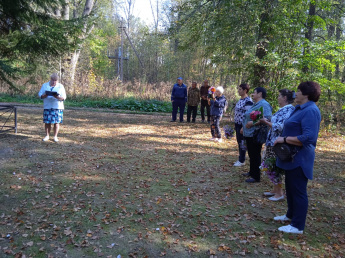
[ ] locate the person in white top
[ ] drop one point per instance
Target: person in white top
(53, 95)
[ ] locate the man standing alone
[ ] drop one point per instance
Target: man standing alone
(193, 102)
(204, 103)
(178, 99)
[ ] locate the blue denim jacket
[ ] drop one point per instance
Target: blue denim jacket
(248, 132)
(217, 106)
(304, 123)
(179, 92)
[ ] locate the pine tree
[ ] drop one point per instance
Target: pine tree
(29, 31)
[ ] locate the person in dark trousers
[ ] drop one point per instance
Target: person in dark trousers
(301, 129)
(193, 102)
(241, 107)
(253, 146)
(204, 103)
(178, 99)
(218, 103)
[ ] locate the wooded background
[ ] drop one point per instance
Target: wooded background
(271, 43)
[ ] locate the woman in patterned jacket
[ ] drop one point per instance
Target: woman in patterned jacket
(241, 107)
(285, 100)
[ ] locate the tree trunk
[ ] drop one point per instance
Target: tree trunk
(338, 33)
(71, 62)
(65, 10)
(309, 33)
(73, 65)
(261, 75)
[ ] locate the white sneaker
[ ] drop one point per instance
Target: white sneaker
(56, 139)
(275, 199)
(219, 140)
(282, 218)
(238, 164)
(268, 194)
(290, 229)
(45, 138)
(212, 139)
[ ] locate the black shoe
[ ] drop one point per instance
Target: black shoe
(193, 121)
(252, 180)
(173, 121)
(181, 121)
(246, 174)
(203, 121)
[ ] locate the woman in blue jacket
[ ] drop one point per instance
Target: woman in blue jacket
(254, 147)
(218, 103)
(301, 129)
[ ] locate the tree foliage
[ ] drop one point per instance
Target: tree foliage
(31, 31)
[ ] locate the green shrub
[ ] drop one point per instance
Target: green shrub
(80, 101)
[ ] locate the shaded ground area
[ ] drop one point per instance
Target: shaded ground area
(139, 186)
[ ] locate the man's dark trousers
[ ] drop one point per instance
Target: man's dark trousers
(178, 104)
(190, 110)
(204, 104)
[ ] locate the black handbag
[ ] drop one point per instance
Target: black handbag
(285, 152)
(260, 134)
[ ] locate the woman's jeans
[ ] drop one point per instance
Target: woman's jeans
(297, 197)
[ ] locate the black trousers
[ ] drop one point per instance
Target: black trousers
(254, 152)
(240, 139)
(203, 105)
(190, 110)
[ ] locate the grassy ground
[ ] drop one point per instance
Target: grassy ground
(139, 186)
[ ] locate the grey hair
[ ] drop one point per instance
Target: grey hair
(54, 77)
(220, 89)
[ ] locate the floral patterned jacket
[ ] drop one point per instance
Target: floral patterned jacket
(277, 121)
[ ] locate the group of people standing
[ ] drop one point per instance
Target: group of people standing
(193, 96)
(214, 102)
(298, 126)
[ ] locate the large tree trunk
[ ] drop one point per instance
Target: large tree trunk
(309, 30)
(261, 75)
(71, 65)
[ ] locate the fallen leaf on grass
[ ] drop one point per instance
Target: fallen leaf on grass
(67, 231)
(29, 244)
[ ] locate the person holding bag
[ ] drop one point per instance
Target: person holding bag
(253, 145)
(301, 129)
(285, 100)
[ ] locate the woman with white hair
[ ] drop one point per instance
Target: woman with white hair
(53, 95)
(218, 103)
